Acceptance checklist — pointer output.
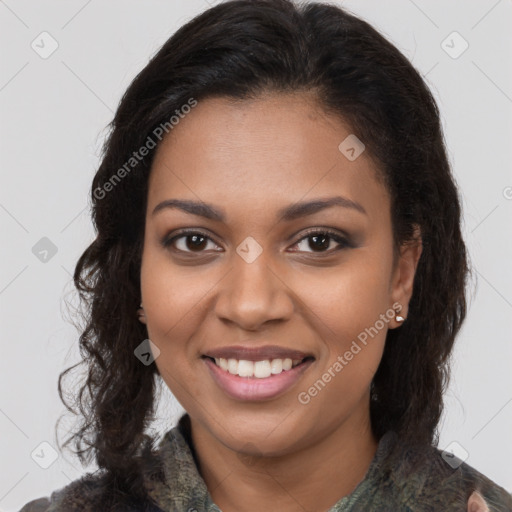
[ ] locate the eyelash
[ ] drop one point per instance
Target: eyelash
(343, 242)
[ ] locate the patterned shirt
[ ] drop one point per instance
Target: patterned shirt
(439, 484)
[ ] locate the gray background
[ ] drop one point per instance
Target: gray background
(53, 114)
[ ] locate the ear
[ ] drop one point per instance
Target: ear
(402, 279)
(141, 315)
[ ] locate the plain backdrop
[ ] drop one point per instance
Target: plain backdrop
(54, 110)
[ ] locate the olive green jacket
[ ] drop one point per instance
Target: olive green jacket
(439, 484)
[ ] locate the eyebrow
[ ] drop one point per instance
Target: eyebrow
(289, 213)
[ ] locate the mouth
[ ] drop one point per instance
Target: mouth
(262, 373)
(259, 369)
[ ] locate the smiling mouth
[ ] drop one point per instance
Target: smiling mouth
(257, 369)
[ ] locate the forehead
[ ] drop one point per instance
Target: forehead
(252, 155)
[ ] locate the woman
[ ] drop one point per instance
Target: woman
(278, 239)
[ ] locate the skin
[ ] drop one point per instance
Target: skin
(251, 158)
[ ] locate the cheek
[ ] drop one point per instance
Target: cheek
(172, 297)
(348, 298)
(166, 303)
(348, 306)
(172, 304)
(176, 304)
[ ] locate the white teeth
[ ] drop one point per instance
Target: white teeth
(233, 366)
(245, 368)
(276, 366)
(258, 369)
(262, 369)
(287, 364)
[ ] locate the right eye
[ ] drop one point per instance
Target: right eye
(188, 241)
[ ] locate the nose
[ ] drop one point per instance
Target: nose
(253, 294)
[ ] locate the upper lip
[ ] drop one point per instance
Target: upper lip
(256, 353)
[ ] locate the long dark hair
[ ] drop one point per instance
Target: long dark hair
(240, 49)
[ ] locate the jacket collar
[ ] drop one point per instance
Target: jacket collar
(184, 489)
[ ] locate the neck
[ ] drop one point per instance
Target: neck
(313, 478)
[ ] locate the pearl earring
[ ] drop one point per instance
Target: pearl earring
(398, 317)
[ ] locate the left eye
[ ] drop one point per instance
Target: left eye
(320, 241)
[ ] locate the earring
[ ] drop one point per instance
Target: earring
(399, 318)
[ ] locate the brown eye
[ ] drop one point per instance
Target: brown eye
(189, 242)
(322, 242)
(195, 242)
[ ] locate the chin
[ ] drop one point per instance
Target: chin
(270, 435)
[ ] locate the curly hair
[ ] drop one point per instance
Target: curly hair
(241, 49)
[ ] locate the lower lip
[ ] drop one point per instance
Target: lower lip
(252, 388)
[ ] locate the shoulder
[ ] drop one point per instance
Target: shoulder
(429, 479)
(83, 494)
(485, 495)
(91, 493)
(107, 492)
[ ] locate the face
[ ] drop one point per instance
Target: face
(267, 274)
